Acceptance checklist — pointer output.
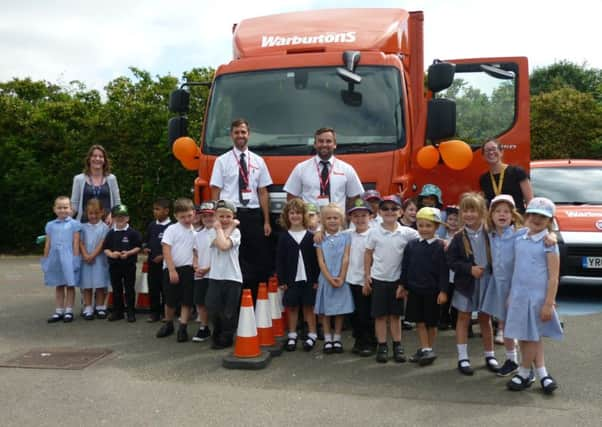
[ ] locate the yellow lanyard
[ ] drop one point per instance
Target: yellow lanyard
(497, 187)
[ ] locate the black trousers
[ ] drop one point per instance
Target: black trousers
(361, 319)
(123, 278)
(155, 288)
(222, 302)
(255, 254)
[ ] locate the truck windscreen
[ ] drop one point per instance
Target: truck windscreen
(285, 107)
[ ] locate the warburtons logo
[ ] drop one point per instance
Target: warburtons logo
(271, 41)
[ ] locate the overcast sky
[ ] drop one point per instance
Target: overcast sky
(94, 42)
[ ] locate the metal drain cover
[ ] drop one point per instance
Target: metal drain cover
(57, 358)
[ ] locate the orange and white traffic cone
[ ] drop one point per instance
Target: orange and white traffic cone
(247, 353)
(277, 322)
(263, 317)
(142, 295)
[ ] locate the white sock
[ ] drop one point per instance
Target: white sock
(512, 355)
(313, 336)
(462, 351)
(524, 372)
(489, 353)
(101, 307)
(69, 310)
(327, 337)
(88, 309)
(541, 372)
(427, 349)
(59, 310)
(292, 335)
(336, 337)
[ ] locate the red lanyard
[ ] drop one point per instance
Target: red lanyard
(245, 176)
(323, 184)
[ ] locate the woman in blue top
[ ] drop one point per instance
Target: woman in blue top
(531, 306)
(333, 297)
(61, 261)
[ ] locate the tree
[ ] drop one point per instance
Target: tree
(567, 74)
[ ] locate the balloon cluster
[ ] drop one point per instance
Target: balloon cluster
(456, 155)
(187, 152)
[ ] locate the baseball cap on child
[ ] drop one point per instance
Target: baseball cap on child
(311, 208)
(541, 206)
(429, 214)
(503, 198)
(391, 199)
(207, 207)
(431, 190)
(120, 210)
(225, 204)
(371, 195)
(359, 205)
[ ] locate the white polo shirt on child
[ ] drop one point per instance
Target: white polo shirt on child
(355, 271)
(224, 264)
(388, 249)
(201, 246)
(181, 241)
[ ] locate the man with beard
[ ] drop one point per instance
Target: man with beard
(242, 178)
(323, 178)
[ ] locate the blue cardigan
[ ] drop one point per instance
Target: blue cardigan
(287, 258)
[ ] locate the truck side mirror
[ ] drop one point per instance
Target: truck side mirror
(179, 101)
(440, 119)
(176, 127)
(440, 75)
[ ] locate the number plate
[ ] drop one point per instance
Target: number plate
(591, 262)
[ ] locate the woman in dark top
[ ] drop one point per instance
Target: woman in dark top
(502, 178)
(96, 182)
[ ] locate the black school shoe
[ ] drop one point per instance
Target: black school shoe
(182, 335)
(131, 317)
(115, 316)
(550, 386)
(101, 314)
(382, 353)
(165, 330)
(518, 383)
(427, 357)
(56, 317)
(203, 334)
(68, 318)
(464, 367)
(492, 364)
(398, 354)
(508, 368)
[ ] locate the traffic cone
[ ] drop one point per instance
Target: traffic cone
(264, 322)
(142, 295)
(247, 353)
(277, 322)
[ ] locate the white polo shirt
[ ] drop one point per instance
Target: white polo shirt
(202, 245)
(355, 271)
(181, 241)
(225, 176)
(224, 264)
(388, 249)
(304, 181)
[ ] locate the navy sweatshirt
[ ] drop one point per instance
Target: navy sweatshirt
(424, 267)
(287, 258)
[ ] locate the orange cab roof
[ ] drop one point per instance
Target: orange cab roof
(566, 163)
(382, 30)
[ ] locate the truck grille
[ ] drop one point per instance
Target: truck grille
(571, 261)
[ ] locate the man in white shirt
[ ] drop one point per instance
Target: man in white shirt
(242, 177)
(323, 178)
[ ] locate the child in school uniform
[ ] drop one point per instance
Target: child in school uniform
(121, 246)
(469, 256)
(225, 276)
(95, 268)
(61, 260)
(382, 266)
(373, 198)
(297, 270)
(178, 273)
(154, 252)
(425, 275)
(202, 266)
(449, 314)
(409, 207)
(333, 298)
(361, 319)
(531, 305)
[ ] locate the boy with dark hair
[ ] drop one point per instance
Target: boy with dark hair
(178, 273)
(121, 247)
(154, 251)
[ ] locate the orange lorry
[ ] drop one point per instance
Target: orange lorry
(361, 72)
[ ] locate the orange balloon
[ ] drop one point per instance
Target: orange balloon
(456, 154)
(184, 148)
(427, 157)
(192, 163)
